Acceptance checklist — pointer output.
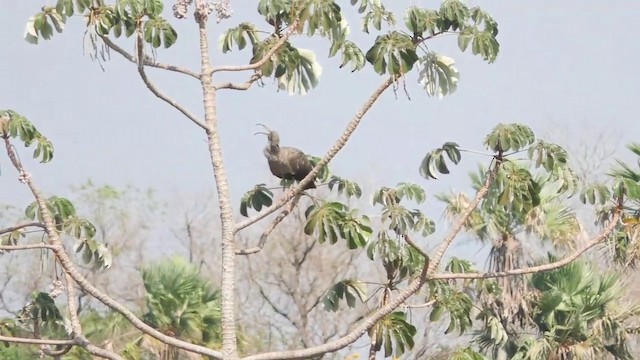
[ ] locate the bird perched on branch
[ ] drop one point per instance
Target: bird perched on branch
(286, 162)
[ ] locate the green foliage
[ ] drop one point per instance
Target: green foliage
(579, 304)
(66, 220)
(393, 333)
(434, 161)
(346, 187)
(438, 74)
(509, 137)
(181, 302)
(40, 310)
(239, 35)
(456, 303)
(333, 220)
(348, 290)
(595, 193)
(467, 353)
(392, 53)
(16, 126)
(256, 199)
(130, 15)
(399, 260)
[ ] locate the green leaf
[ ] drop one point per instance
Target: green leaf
(257, 198)
(438, 74)
(394, 53)
(349, 289)
(434, 161)
(509, 137)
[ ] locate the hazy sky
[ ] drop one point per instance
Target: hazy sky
(566, 67)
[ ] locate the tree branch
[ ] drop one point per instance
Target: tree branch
(265, 58)
(148, 61)
(269, 230)
(85, 285)
(27, 247)
(239, 86)
(540, 268)
(21, 226)
(31, 341)
(340, 143)
(394, 303)
(457, 227)
(155, 91)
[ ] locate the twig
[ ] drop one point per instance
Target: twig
(85, 285)
(27, 247)
(340, 143)
(147, 61)
(156, 92)
(19, 340)
(419, 306)
(21, 226)
(269, 230)
(264, 59)
(408, 240)
(540, 268)
(239, 86)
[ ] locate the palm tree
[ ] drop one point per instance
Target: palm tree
(507, 225)
(180, 303)
(577, 314)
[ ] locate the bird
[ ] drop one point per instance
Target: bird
(286, 162)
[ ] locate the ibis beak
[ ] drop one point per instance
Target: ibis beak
(261, 132)
(264, 126)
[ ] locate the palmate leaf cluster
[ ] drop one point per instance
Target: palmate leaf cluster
(296, 70)
(63, 212)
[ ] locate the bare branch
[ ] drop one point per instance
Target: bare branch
(269, 230)
(156, 92)
(27, 247)
(21, 226)
(293, 28)
(540, 268)
(85, 285)
(340, 143)
(239, 86)
(408, 240)
(148, 61)
(31, 341)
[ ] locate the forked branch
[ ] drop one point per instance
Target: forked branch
(154, 89)
(258, 64)
(269, 230)
(147, 61)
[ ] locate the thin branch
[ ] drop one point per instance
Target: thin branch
(239, 86)
(269, 230)
(21, 226)
(457, 227)
(148, 61)
(340, 143)
(31, 341)
(156, 92)
(419, 306)
(408, 240)
(27, 247)
(85, 285)
(413, 287)
(540, 268)
(264, 59)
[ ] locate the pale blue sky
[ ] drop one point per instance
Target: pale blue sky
(564, 66)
